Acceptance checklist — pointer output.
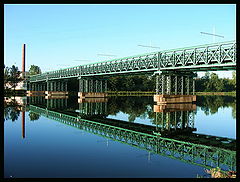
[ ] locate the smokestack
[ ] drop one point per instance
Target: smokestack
(23, 60)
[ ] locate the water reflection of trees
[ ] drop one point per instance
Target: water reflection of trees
(33, 116)
(142, 107)
(11, 110)
(133, 106)
(211, 104)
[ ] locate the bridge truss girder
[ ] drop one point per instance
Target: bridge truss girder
(218, 56)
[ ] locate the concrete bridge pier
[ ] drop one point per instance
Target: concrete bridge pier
(175, 87)
(92, 87)
(56, 88)
(36, 89)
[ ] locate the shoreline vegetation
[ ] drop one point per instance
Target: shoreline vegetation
(152, 93)
(216, 93)
(209, 84)
(129, 93)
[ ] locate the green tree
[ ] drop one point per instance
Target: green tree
(6, 75)
(34, 70)
(112, 83)
(149, 83)
(129, 83)
(214, 84)
(199, 85)
(14, 76)
(233, 81)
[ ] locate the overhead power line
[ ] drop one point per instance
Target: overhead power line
(149, 46)
(106, 55)
(212, 34)
(82, 60)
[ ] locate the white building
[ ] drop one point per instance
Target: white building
(22, 85)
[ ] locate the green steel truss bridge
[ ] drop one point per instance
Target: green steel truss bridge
(206, 156)
(218, 56)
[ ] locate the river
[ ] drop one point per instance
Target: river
(118, 137)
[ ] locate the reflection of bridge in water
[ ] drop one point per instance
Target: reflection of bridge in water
(171, 137)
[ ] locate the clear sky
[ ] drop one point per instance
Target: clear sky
(59, 36)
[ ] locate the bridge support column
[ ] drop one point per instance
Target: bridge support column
(56, 88)
(92, 87)
(174, 119)
(56, 102)
(92, 107)
(175, 87)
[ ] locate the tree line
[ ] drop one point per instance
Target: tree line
(207, 83)
(210, 82)
(132, 83)
(12, 76)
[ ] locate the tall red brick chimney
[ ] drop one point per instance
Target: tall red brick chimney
(23, 60)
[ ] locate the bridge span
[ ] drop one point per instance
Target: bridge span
(175, 72)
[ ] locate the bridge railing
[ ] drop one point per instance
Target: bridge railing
(216, 55)
(212, 55)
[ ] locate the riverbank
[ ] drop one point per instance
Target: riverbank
(130, 93)
(125, 93)
(151, 93)
(216, 93)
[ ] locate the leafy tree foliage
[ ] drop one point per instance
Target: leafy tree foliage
(132, 83)
(208, 83)
(34, 70)
(11, 76)
(212, 83)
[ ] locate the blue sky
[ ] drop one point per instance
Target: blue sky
(59, 36)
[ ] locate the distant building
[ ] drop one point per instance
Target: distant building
(22, 85)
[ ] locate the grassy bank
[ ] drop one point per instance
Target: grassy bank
(130, 93)
(216, 93)
(149, 93)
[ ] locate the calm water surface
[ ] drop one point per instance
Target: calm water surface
(53, 141)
